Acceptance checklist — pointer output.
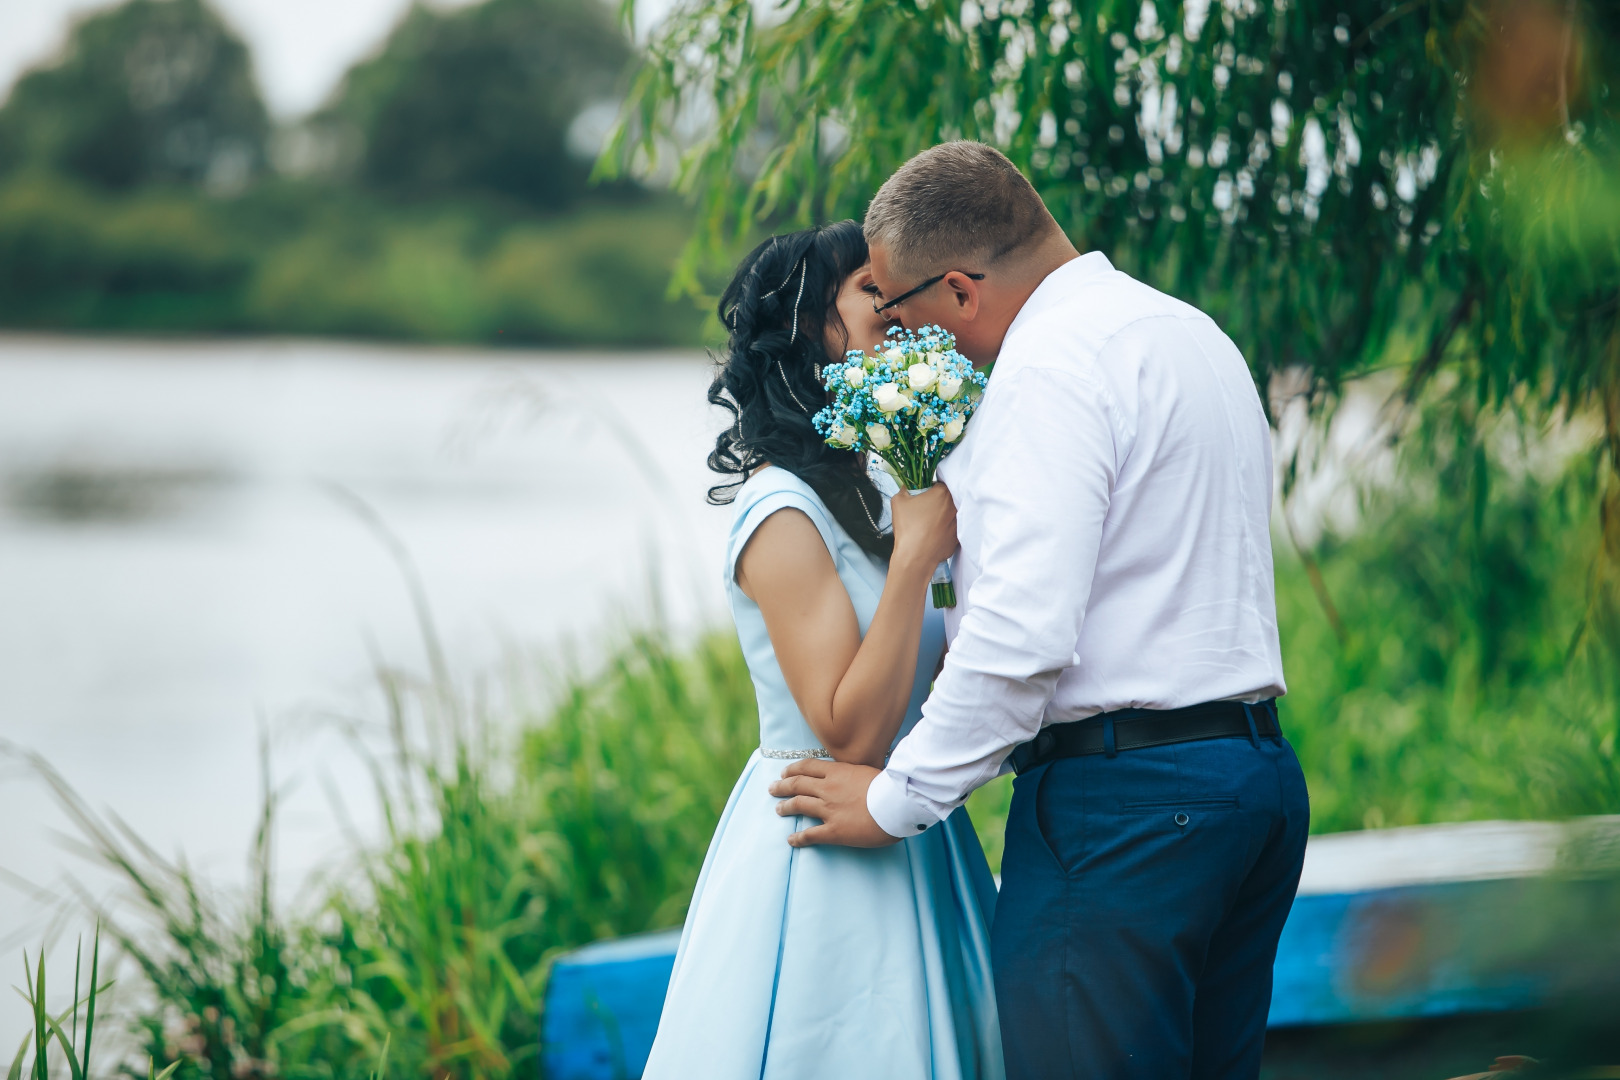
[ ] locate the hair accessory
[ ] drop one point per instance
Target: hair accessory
(791, 271)
(731, 316)
(804, 270)
(782, 371)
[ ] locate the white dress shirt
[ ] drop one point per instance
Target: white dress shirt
(1113, 498)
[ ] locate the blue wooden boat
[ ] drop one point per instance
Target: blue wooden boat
(601, 1007)
(1389, 924)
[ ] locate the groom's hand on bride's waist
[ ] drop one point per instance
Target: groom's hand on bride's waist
(834, 793)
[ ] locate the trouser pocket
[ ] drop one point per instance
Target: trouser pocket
(1208, 802)
(1038, 817)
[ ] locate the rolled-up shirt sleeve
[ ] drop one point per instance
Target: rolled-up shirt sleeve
(1041, 477)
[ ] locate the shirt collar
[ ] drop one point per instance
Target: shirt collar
(1056, 285)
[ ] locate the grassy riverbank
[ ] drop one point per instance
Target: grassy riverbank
(1457, 677)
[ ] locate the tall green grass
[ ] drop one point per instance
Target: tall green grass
(34, 1058)
(1467, 678)
(1457, 677)
(506, 839)
(493, 862)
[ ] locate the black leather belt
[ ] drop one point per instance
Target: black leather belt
(1133, 729)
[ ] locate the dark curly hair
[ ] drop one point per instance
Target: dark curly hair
(777, 310)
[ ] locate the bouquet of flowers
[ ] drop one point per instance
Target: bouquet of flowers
(908, 404)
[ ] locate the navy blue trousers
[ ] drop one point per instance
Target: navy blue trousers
(1141, 901)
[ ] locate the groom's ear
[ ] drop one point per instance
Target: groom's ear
(964, 294)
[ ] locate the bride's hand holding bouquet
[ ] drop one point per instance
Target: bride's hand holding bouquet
(924, 528)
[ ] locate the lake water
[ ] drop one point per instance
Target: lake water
(184, 556)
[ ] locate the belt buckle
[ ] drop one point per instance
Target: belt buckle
(1036, 752)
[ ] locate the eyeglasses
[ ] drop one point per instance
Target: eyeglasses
(879, 309)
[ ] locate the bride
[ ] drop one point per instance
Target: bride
(825, 962)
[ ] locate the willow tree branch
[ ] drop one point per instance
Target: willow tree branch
(1384, 20)
(1313, 571)
(1439, 343)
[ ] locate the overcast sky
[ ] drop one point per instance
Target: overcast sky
(300, 47)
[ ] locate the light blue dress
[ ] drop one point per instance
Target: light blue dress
(827, 963)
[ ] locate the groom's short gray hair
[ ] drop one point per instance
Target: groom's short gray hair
(958, 202)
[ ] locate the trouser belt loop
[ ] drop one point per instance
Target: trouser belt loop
(1276, 721)
(1108, 736)
(1254, 732)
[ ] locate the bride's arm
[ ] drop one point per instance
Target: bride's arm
(853, 692)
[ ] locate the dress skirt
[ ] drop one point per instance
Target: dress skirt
(831, 963)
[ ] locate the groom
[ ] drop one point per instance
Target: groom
(1115, 645)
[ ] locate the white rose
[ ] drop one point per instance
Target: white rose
(894, 355)
(936, 358)
(921, 376)
(846, 436)
(949, 386)
(855, 376)
(927, 422)
(890, 398)
(878, 436)
(953, 430)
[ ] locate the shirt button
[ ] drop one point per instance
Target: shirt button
(922, 828)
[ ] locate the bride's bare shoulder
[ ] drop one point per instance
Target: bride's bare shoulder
(784, 550)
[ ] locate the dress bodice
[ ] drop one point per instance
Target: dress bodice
(781, 725)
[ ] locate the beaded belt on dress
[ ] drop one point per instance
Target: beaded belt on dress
(795, 755)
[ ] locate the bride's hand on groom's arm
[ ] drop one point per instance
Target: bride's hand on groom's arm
(833, 792)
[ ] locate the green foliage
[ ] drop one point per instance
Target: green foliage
(72, 257)
(153, 91)
(1328, 180)
(305, 258)
(633, 770)
(1469, 683)
(596, 277)
(479, 99)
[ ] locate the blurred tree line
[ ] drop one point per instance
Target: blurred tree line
(442, 192)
